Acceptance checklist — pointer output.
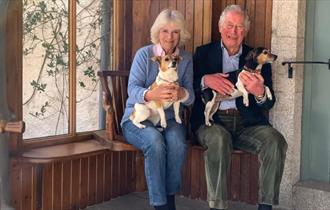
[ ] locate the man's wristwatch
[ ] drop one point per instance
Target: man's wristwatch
(260, 97)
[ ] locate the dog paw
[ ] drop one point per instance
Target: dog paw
(246, 102)
(140, 126)
(208, 124)
(178, 120)
(164, 124)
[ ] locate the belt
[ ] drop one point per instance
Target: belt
(228, 112)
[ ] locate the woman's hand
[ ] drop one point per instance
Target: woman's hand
(161, 92)
(253, 83)
(165, 92)
(219, 83)
(177, 92)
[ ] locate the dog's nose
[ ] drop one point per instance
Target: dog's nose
(275, 57)
(174, 63)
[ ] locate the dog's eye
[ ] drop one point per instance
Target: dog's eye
(265, 52)
(167, 59)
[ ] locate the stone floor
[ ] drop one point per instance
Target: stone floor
(139, 201)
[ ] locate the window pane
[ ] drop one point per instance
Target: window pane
(88, 63)
(45, 68)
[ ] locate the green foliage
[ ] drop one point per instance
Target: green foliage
(46, 31)
(42, 111)
(38, 86)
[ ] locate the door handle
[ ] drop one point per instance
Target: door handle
(13, 127)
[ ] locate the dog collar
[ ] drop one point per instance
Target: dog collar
(251, 70)
(165, 80)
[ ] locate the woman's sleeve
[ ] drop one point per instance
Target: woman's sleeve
(187, 82)
(138, 76)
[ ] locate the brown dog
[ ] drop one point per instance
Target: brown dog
(154, 110)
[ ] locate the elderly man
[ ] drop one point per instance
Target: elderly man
(235, 125)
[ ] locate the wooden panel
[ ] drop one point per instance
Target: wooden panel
(83, 198)
(130, 172)
(27, 203)
(180, 6)
(57, 185)
(15, 183)
(217, 7)
(115, 167)
(75, 184)
(203, 187)
(72, 184)
(245, 177)
(207, 24)
(254, 172)
(107, 177)
(47, 189)
(190, 24)
(195, 173)
(91, 180)
(100, 178)
(198, 23)
(185, 190)
(251, 11)
(268, 24)
(122, 173)
(163, 4)
(172, 4)
(141, 24)
(66, 185)
(259, 23)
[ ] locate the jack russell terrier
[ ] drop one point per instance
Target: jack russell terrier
(154, 110)
(255, 59)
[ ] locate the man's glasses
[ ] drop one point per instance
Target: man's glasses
(230, 26)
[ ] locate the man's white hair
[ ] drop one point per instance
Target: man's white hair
(237, 9)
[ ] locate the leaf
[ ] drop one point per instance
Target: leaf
(82, 84)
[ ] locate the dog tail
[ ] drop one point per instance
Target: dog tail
(132, 116)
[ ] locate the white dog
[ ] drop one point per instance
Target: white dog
(254, 61)
(154, 110)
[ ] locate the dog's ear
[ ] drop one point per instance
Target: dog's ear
(251, 55)
(157, 59)
(177, 57)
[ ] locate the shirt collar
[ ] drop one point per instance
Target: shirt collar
(158, 50)
(237, 55)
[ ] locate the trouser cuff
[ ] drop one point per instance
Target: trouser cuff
(218, 204)
(268, 201)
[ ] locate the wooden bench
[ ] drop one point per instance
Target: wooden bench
(243, 178)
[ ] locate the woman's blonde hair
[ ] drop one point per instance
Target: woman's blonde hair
(169, 16)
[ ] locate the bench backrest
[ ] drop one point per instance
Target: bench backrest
(114, 87)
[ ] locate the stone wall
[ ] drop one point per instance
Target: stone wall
(288, 36)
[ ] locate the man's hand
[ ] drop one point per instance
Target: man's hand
(253, 83)
(219, 83)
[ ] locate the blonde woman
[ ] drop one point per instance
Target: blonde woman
(164, 150)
